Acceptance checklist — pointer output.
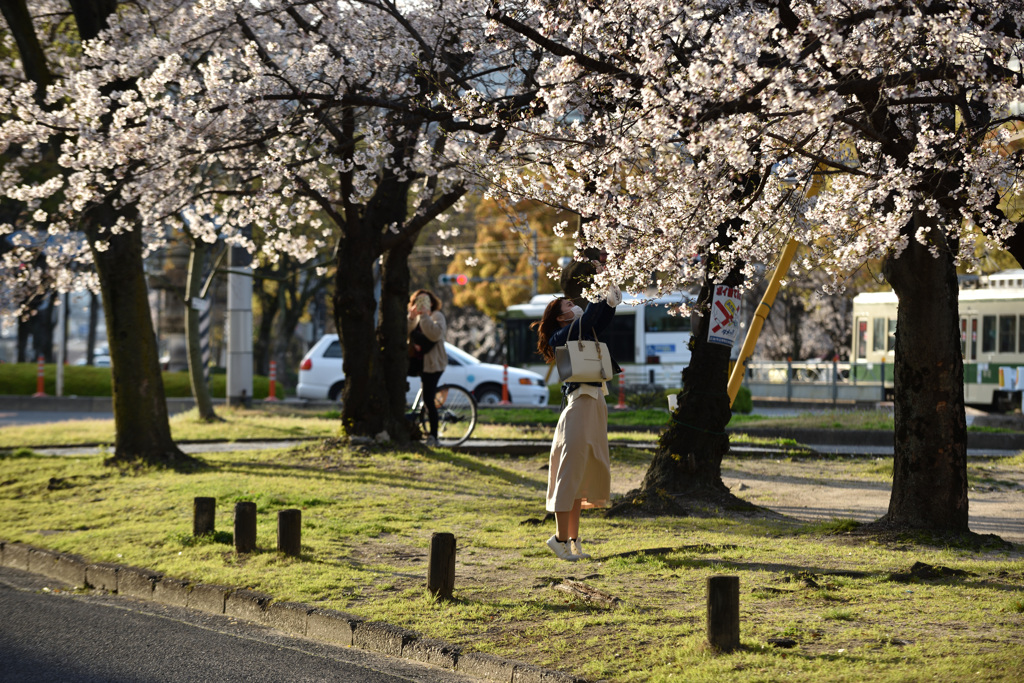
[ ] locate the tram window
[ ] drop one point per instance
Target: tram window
(1020, 332)
(891, 341)
(862, 338)
(878, 334)
(988, 334)
(658, 319)
(1007, 333)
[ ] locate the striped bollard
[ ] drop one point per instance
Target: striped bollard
(622, 389)
(272, 396)
(40, 379)
(504, 387)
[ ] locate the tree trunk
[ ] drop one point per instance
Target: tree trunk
(366, 409)
(394, 300)
(929, 486)
(269, 305)
(193, 342)
(688, 464)
(143, 433)
(94, 314)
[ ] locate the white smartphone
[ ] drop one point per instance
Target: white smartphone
(423, 303)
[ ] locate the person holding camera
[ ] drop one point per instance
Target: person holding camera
(427, 328)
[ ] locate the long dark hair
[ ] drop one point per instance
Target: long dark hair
(547, 326)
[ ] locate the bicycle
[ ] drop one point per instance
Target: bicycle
(456, 414)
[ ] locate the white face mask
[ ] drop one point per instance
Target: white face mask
(577, 312)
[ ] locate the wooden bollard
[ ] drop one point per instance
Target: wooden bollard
(724, 612)
(245, 527)
(441, 565)
(202, 515)
(289, 531)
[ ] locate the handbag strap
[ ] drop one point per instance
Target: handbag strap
(579, 337)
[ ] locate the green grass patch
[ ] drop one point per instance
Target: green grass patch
(238, 424)
(367, 519)
(19, 379)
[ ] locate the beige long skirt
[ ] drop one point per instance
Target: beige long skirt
(579, 466)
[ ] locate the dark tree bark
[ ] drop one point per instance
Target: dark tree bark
(366, 409)
(688, 463)
(94, 315)
(269, 298)
(143, 433)
(929, 487)
(193, 291)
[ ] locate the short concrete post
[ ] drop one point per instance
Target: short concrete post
(289, 531)
(441, 565)
(245, 527)
(202, 515)
(724, 612)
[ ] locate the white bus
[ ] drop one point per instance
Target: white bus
(651, 345)
(991, 339)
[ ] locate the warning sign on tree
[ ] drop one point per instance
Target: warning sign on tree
(725, 310)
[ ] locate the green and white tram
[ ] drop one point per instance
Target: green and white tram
(991, 339)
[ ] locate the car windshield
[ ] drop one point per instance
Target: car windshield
(461, 356)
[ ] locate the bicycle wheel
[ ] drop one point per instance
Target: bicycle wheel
(456, 415)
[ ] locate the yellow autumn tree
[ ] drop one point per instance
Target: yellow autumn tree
(506, 266)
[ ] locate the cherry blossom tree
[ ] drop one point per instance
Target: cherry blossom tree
(64, 170)
(299, 119)
(658, 114)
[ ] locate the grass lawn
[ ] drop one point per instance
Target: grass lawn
(367, 520)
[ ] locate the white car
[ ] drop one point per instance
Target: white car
(321, 377)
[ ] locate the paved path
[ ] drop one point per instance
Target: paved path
(55, 636)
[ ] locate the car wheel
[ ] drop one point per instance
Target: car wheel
(335, 393)
(488, 394)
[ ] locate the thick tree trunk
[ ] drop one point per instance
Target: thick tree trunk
(688, 464)
(929, 486)
(143, 432)
(394, 301)
(367, 406)
(193, 345)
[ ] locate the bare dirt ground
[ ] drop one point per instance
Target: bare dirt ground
(856, 488)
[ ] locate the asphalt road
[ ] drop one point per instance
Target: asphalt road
(49, 635)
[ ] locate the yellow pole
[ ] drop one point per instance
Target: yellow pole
(750, 341)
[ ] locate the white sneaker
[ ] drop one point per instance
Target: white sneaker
(561, 549)
(577, 550)
(432, 442)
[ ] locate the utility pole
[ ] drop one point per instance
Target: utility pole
(239, 370)
(536, 265)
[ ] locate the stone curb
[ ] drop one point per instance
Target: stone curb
(290, 617)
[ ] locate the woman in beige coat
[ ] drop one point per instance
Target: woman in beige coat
(579, 468)
(427, 328)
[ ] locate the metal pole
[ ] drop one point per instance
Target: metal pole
(750, 341)
(536, 265)
(62, 342)
(239, 333)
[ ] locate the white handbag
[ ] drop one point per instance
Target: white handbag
(582, 360)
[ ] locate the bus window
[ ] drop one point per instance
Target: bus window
(658, 319)
(891, 341)
(878, 335)
(621, 338)
(1007, 333)
(862, 338)
(988, 334)
(522, 342)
